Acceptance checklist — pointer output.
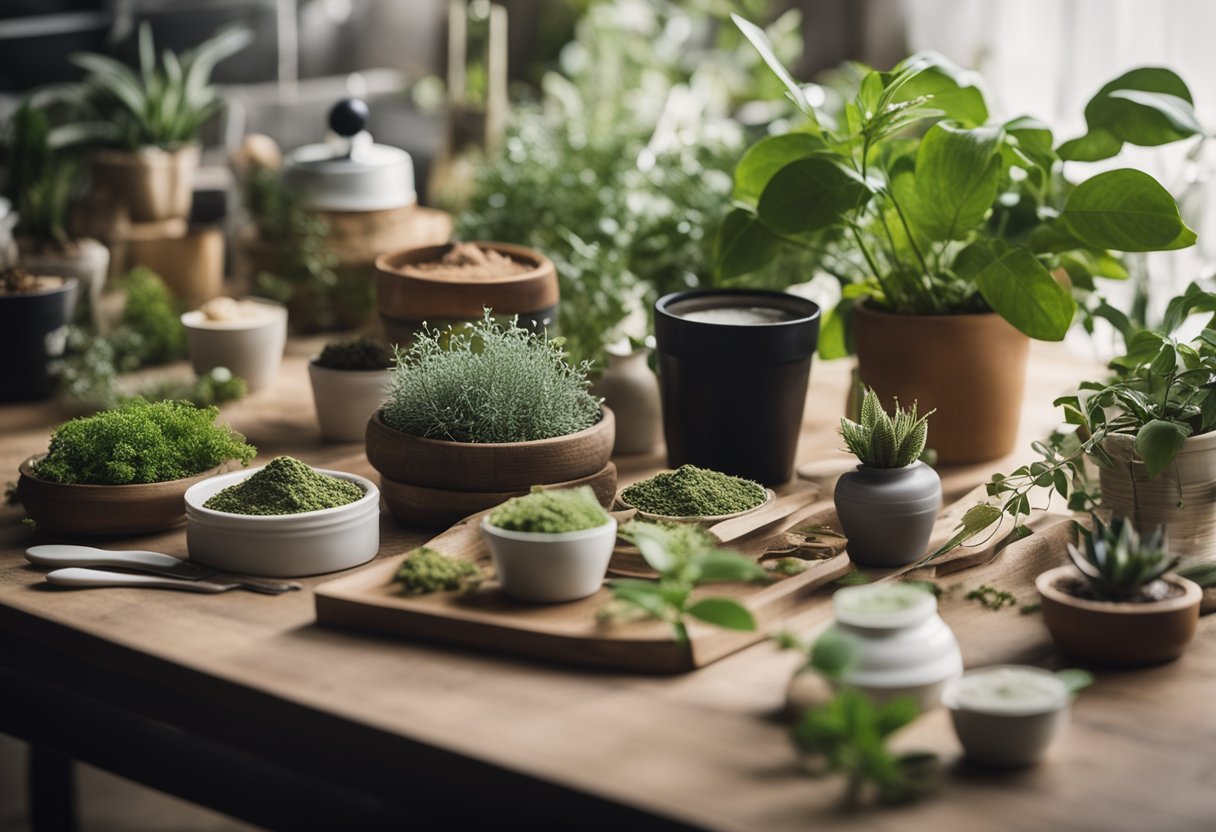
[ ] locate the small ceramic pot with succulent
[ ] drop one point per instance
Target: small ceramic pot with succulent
(550, 546)
(887, 507)
(348, 382)
(1118, 602)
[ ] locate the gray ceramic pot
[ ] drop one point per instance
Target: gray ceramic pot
(888, 513)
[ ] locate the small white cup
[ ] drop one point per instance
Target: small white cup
(251, 348)
(1008, 731)
(550, 568)
(345, 400)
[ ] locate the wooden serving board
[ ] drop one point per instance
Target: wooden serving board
(573, 632)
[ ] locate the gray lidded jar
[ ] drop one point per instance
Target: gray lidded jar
(887, 514)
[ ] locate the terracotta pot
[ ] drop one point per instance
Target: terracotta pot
(1120, 634)
(1190, 480)
(631, 389)
(486, 466)
(406, 297)
(970, 368)
(152, 183)
(107, 509)
(33, 332)
(86, 260)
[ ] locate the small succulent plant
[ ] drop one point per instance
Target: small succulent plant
(882, 440)
(1118, 562)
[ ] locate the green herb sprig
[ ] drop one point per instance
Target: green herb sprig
(684, 562)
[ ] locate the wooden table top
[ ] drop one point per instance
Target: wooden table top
(698, 749)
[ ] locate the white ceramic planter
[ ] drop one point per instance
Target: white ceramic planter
(550, 568)
(284, 545)
(1007, 715)
(902, 646)
(345, 400)
(250, 348)
(887, 514)
(1190, 478)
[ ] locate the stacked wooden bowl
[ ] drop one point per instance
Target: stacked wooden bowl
(433, 483)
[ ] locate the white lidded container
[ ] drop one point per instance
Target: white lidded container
(250, 346)
(1008, 715)
(282, 545)
(550, 568)
(902, 647)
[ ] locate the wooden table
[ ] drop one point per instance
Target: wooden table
(242, 703)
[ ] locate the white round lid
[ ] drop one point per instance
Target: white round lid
(883, 605)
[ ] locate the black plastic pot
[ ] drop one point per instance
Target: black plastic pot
(733, 394)
(33, 330)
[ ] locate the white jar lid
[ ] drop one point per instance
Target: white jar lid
(883, 605)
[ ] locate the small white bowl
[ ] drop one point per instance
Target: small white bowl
(1008, 731)
(550, 568)
(345, 400)
(251, 348)
(282, 545)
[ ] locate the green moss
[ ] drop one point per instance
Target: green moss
(690, 491)
(427, 570)
(141, 442)
(551, 512)
(362, 353)
(150, 315)
(285, 486)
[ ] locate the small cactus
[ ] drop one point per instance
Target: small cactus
(881, 440)
(1117, 562)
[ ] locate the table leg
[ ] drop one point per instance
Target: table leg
(52, 790)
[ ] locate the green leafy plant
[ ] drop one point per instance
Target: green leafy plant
(1119, 564)
(140, 442)
(920, 206)
(684, 560)
(151, 316)
(881, 440)
(41, 177)
(362, 353)
(847, 735)
(488, 382)
(165, 103)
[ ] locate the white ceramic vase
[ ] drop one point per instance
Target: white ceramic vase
(631, 389)
(550, 568)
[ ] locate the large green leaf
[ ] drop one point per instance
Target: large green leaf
(1157, 443)
(766, 157)
(950, 88)
(742, 245)
(1033, 138)
(834, 335)
(723, 612)
(764, 46)
(1018, 287)
(957, 174)
(1146, 106)
(810, 194)
(1126, 210)
(1094, 146)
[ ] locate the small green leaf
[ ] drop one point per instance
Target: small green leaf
(719, 565)
(758, 39)
(742, 245)
(1018, 287)
(810, 194)
(645, 597)
(1157, 443)
(1094, 146)
(1125, 210)
(1075, 679)
(766, 157)
(978, 518)
(950, 88)
(723, 612)
(835, 336)
(1147, 106)
(832, 655)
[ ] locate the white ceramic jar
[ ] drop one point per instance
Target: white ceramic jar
(902, 646)
(251, 346)
(345, 400)
(1007, 715)
(550, 568)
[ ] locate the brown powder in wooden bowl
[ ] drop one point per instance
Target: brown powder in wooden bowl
(466, 261)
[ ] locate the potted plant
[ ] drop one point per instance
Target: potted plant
(34, 317)
(1117, 603)
(126, 471)
(478, 414)
(153, 117)
(349, 378)
(550, 546)
(888, 505)
(1150, 430)
(956, 239)
(454, 282)
(43, 179)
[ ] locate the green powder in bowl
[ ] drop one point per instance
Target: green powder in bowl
(690, 491)
(551, 512)
(285, 486)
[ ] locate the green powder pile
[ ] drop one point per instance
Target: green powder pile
(427, 570)
(285, 486)
(551, 512)
(690, 491)
(683, 540)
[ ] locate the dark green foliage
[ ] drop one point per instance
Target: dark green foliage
(151, 317)
(41, 180)
(488, 382)
(884, 441)
(1117, 562)
(141, 442)
(362, 353)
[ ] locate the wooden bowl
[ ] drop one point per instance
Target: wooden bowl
(405, 294)
(107, 509)
(489, 467)
(437, 508)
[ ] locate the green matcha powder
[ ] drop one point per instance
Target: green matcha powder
(690, 491)
(551, 512)
(427, 570)
(285, 486)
